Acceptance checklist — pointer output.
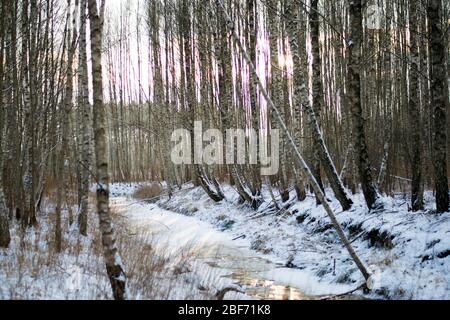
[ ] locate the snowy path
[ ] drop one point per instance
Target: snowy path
(217, 253)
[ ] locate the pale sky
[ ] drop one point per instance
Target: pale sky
(129, 11)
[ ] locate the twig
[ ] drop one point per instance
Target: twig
(343, 294)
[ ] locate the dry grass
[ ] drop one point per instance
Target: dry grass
(69, 192)
(32, 269)
(51, 183)
(153, 272)
(149, 192)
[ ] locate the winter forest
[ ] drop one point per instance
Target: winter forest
(224, 149)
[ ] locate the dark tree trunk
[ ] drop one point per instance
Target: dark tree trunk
(439, 101)
(317, 86)
(414, 114)
(354, 98)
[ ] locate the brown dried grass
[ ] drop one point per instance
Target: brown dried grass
(148, 192)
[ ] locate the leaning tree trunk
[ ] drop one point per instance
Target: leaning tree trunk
(301, 97)
(315, 185)
(354, 98)
(439, 101)
(114, 267)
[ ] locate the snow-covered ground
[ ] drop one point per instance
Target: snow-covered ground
(206, 247)
(231, 261)
(31, 269)
(407, 253)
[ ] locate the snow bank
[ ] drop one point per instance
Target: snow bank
(408, 253)
(31, 269)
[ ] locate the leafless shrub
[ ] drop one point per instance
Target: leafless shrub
(31, 269)
(153, 271)
(150, 192)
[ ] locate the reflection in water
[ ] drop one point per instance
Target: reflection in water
(246, 271)
(267, 289)
(252, 273)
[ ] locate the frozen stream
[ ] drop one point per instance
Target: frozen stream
(256, 275)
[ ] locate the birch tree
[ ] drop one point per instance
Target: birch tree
(301, 96)
(114, 266)
(317, 86)
(439, 101)
(85, 109)
(354, 48)
(302, 164)
(5, 236)
(414, 113)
